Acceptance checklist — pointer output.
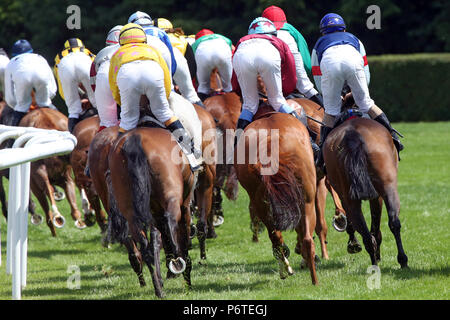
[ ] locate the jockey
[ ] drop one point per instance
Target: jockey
(299, 49)
(27, 71)
(262, 53)
(339, 58)
(184, 55)
(71, 68)
(138, 69)
(4, 60)
(211, 51)
(106, 105)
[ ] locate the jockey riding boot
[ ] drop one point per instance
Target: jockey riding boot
(315, 147)
(202, 96)
(317, 99)
(241, 125)
(16, 117)
(72, 123)
(383, 120)
(187, 144)
(324, 131)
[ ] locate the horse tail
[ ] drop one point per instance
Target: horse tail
(139, 173)
(117, 224)
(285, 195)
(356, 167)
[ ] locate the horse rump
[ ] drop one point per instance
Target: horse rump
(285, 195)
(354, 157)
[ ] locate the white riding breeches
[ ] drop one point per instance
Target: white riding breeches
(343, 64)
(258, 57)
(142, 77)
(25, 73)
(304, 84)
(73, 70)
(106, 105)
(210, 54)
(183, 79)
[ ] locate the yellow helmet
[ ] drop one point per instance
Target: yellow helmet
(73, 43)
(164, 24)
(132, 33)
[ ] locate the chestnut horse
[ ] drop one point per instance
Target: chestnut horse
(284, 198)
(225, 108)
(154, 191)
(85, 131)
(362, 164)
(54, 170)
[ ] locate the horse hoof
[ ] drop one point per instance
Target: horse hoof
(177, 266)
(193, 231)
(59, 195)
(36, 219)
(353, 247)
(89, 218)
(340, 222)
(80, 224)
(218, 220)
(59, 221)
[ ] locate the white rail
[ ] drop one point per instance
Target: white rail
(30, 144)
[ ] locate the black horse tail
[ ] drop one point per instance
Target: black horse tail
(285, 195)
(117, 224)
(355, 163)
(139, 173)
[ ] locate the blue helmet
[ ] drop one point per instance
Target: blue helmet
(331, 22)
(262, 26)
(21, 46)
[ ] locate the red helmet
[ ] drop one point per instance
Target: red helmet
(276, 15)
(203, 32)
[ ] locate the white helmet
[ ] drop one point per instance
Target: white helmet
(141, 18)
(113, 36)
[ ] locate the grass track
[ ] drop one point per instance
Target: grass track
(237, 268)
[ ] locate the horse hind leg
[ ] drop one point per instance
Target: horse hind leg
(321, 224)
(356, 217)
(281, 253)
(135, 258)
(392, 203)
(375, 212)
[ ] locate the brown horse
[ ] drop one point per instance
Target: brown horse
(225, 108)
(206, 178)
(55, 170)
(285, 198)
(362, 163)
(153, 191)
(85, 131)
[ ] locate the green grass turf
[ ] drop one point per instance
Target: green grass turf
(237, 268)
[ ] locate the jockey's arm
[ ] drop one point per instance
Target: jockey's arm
(362, 51)
(315, 69)
(10, 97)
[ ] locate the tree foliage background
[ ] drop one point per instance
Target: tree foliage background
(406, 26)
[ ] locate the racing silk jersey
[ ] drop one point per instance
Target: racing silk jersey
(133, 52)
(162, 35)
(288, 71)
(334, 39)
(178, 41)
(61, 55)
(103, 55)
(210, 37)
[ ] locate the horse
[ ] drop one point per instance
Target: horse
(225, 108)
(283, 198)
(362, 164)
(154, 191)
(203, 194)
(85, 131)
(54, 170)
